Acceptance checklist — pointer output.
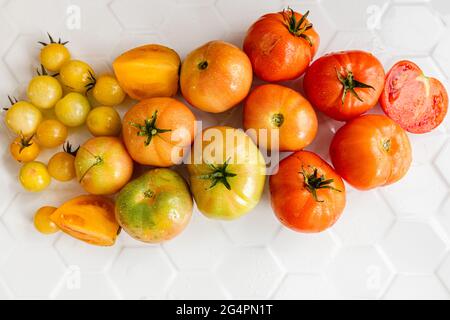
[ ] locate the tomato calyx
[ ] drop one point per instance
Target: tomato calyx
(52, 41)
(277, 120)
(43, 72)
(68, 148)
(12, 101)
(313, 182)
(25, 142)
(203, 65)
(387, 145)
(297, 28)
(349, 83)
(149, 129)
(92, 82)
(219, 174)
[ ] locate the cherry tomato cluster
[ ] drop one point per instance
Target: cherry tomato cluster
(307, 193)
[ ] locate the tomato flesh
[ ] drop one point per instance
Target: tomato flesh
(416, 102)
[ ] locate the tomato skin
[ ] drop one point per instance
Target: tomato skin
(149, 71)
(201, 84)
(371, 151)
(247, 184)
(53, 56)
(42, 221)
(155, 207)
(170, 115)
(51, 133)
(24, 150)
(416, 102)
(34, 176)
(88, 218)
(62, 167)
(44, 91)
(325, 91)
(73, 109)
(295, 206)
(277, 54)
(23, 118)
(103, 166)
(269, 103)
(107, 91)
(76, 75)
(104, 121)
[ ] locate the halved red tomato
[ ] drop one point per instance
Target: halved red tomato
(416, 102)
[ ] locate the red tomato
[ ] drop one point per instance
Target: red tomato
(371, 151)
(281, 45)
(307, 194)
(274, 107)
(416, 102)
(344, 85)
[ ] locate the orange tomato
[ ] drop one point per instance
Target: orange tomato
(216, 77)
(42, 221)
(88, 218)
(24, 149)
(307, 194)
(281, 45)
(371, 151)
(51, 133)
(157, 131)
(148, 71)
(274, 107)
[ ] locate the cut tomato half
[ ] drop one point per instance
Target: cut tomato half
(416, 102)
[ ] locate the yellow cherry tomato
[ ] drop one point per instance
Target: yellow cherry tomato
(107, 91)
(44, 91)
(73, 109)
(51, 133)
(34, 176)
(77, 76)
(23, 118)
(104, 121)
(24, 149)
(62, 165)
(54, 54)
(42, 221)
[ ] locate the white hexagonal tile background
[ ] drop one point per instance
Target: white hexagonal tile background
(391, 243)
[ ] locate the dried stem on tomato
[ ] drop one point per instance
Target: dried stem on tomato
(349, 83)
(313, 182)
(68, 148)
(149, 129)
(219, 174)
(297, 28)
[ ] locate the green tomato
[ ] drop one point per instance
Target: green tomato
(44, 92)
(155, 207)
(73, 109)
(228, 182)
(23, 118)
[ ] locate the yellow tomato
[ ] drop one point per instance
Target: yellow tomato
(24, 149)
(73, 109)
(77, 76)
(54, 56)
(148, 71)
(62, 165)
(51, 133)
(44, 91)
(34, 176)
(42, 221)
(23, 118)
(107, 91)
(104, 121)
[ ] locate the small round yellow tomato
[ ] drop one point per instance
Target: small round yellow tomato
(34, 176)
(51, 133)
(73, 109)
(77, 75)
(62, 165)
(107, 91)
(23, 118)
(44, 91)
(54, 56)
(104, 121)
(24, 149)
(42, 221)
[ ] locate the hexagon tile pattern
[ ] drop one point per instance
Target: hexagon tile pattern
(391, 243)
